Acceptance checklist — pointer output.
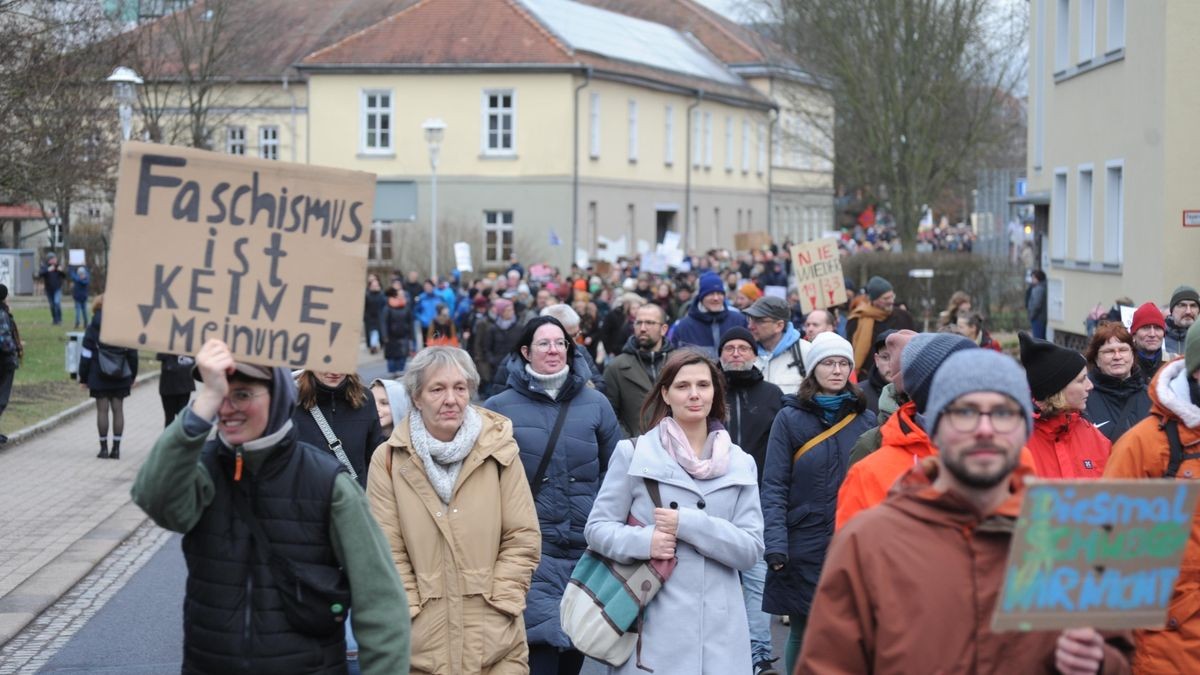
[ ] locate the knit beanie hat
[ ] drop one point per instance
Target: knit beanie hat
(877, 286)
(737, 333)
(750, 290)
(1183, 293)
(960, 375)
(921, 358)
(824, 346)
(1191, 349)
(710, 282)
(3, 292)
(1147, 315)
(1048, 367)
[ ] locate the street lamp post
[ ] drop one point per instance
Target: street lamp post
(124, 79)
(435, 129)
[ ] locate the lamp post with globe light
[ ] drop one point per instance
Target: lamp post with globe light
(124, 80)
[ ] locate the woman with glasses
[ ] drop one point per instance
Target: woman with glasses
(448, 490)
(1118, 399)
(1064, 443)
(808, 455)
(566, 431)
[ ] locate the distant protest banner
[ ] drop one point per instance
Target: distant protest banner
(818, 269)
(751, 241)
(1101, 553)
(270, 257)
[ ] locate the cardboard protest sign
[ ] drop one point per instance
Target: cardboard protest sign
(751, 241)
(818, 269)
(1101, 553)
(269, 257)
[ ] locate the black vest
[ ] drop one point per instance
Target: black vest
(232, 616)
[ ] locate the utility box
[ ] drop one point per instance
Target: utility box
(74, 346)
(17, 267)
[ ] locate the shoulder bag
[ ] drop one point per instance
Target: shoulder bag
(335, 445)
(536, 486)
(114, 363)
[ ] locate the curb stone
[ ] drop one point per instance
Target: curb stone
(21, 435)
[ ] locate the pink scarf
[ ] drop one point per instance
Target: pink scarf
(714, 458)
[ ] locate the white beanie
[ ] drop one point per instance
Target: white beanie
(824, 346)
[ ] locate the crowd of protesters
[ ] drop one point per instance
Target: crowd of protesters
(823, 468)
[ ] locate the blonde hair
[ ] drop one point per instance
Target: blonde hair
(1055, 404)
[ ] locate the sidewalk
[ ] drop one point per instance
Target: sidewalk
(65, 510)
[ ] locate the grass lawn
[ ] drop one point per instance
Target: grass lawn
(42, 387)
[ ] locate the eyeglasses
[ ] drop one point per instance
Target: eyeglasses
(240, 398)
(545, 345)
(646, 323)
(966, 420)
(834, 364)
(1122, 350)
(737, 349)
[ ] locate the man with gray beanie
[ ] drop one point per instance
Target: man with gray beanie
(904, 441)
(937, 549)
(869, 319)
(1181, 314)
(1167, 445)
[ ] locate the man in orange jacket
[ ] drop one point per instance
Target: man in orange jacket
(1146, 451)
(905, 442)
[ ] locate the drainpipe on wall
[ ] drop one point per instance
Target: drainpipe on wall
(292, 94)
(587, 73)
(774, 116)
(687, 186)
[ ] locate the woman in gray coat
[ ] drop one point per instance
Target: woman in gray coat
(710, 520)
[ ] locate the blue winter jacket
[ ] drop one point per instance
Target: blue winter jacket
(799, 499)
(703, 329)
(573, 477)
(427, 304)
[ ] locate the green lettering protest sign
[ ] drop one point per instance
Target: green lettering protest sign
(1101, 553)
(269, 257)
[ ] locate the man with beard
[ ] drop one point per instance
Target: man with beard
(869, 319)
(1184, 306)
(630, 376)
(1148, 329)
(907, 557)
(752, 403)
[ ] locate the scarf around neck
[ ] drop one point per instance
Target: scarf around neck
(443, 459)
(830, 405)
(714, 456)
(551, 383)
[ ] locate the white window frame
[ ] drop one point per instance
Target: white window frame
(385, 114)
(669, 135)
(235, 140)
(762, 147)
(633, 131)
(500, 226)
(1114, 212)
(1058, 215)
(1087, 31)
(1085, 218)
(594, 125)
(781, 129)
(729, 144)
(745, 146)
(1116, 26)
(487, 111)
(708, 140)
(1062, 35)
(268, 141)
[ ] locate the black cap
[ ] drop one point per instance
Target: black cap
(1048, 367)
(737, 333)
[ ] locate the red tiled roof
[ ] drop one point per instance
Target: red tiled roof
(439, 32)
(20, 212)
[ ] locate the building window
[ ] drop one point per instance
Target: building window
(499, 113)
(268, 142)
(697, 130)
(1083, 215)
(739, 222)
(669, 136)
(729, 143)
(1116, 25)
(235, 140)
(1062, 35)
(745, 145)
(497, 236)
(594, 126)
(1087, 30)
(691, 242)
(590, 226)
(1058, 216)
(633, 131)
(376, 121)
(381, 241)
(762, 147)
(1114, 212)
(708, 141)
(716, 228)
(632, 226)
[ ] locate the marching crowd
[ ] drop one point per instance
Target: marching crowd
(697, 442)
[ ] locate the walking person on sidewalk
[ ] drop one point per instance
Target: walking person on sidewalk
(80, 281)
(175, 384)
(11, 352)
(107, 372)
(254, 481)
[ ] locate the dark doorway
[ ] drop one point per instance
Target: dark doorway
(664, 221)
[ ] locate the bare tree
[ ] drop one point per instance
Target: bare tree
(922, 90)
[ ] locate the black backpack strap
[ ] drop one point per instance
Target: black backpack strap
(536, 487)
(797, 358)
(1171, 427)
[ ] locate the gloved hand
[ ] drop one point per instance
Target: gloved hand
(777, 561)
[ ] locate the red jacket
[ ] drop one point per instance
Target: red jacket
(867, 483)
(1068, 446)
(1143, 452)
